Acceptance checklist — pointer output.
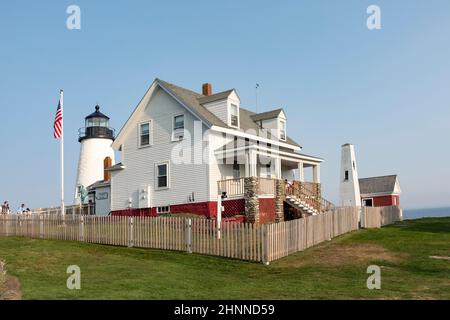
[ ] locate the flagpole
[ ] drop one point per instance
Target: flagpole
(63, 211)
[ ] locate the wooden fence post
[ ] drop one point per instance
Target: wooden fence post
(265, 245)
(81, 228)
(7, 222)
(219, 216)
(41, 227)
(189, 235)
(130, 232)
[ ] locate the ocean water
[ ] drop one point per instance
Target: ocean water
(426, 213)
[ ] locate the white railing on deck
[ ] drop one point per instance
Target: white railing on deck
(232, 187)
(235, 187)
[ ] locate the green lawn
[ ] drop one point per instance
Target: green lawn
(333, 270)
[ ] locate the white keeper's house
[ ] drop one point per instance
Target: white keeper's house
(180, 150)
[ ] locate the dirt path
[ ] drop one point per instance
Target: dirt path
(9, 286)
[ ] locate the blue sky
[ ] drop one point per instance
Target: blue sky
(386, 91)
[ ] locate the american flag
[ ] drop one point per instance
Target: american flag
(57, 126)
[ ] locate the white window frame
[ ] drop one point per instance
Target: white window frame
(282, 121)
(150, 132)
(231, 114)
(161, 209)
(178, 130)
(364, 202)
(167, 163)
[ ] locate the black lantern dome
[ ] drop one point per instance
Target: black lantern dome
(96, 126)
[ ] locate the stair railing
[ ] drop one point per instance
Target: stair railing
(309, 197)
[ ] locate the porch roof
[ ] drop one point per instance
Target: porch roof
(230, 149)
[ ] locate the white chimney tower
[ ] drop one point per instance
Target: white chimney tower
(96, 139)
(349, 185)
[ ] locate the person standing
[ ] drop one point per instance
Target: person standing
(21, 209)
(5, 207)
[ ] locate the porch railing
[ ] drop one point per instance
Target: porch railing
(236, 187)
(231, 187)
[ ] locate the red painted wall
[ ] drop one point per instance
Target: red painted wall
(233, 207)
(266, 210)
(383, 201)
(207, 209)
(149, 212)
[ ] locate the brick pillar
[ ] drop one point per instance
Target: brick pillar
(251, 187)
(280, 196)
(297, 185)
(319, 196)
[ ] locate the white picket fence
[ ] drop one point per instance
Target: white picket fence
(292, 236)
(245, 241)
(376, 217)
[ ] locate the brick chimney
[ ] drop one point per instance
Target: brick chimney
(207, 89)
(106, 164)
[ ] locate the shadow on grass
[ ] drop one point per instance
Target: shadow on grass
(429, 225)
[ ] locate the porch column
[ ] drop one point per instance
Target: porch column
(301, 171)
(247, 165)
(277, 163)
(316, 173)
(253, 160)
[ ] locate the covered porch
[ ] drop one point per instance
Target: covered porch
(266, 163)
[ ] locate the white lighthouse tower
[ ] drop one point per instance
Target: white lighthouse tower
(349, 185)
(96, 139)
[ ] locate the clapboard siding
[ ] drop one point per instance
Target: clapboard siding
(140, 162)
(219, 108)
(217, 170)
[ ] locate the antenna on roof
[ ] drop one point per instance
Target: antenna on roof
(256, 95)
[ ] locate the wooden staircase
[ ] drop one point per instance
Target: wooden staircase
(301, 205)
(307, 200)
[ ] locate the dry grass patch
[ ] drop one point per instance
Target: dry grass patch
(335, 255)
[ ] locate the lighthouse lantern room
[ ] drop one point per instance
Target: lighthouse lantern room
(95, 139)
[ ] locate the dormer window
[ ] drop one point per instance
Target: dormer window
(283, 130)
(234, 115)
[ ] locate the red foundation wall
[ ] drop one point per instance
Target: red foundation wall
(207, 209)
(266, 210)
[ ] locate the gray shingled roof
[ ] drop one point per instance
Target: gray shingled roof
(266, 115)
(384, 184)
(215, 97)
(117, 166)
(98, 184)
(194, 101)
(191, 100)
(246, 122)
